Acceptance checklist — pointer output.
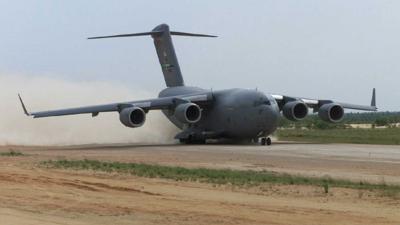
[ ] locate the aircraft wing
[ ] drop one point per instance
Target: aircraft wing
(149, 104)
(317, 103)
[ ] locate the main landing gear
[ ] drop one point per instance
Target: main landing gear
(192, 141)
(266, 141)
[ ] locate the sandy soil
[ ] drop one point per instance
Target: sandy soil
(33, 195)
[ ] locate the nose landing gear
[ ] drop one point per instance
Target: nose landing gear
(266, 141)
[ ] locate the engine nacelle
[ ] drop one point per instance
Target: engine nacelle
(331, 112)
(132, 116)
(188, 113)
(295, 110)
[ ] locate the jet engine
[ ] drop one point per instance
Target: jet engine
(132, 117)
(331, 112)
(188, 113)
(295, 110)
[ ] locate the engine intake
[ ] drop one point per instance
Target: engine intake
(295, 110)
(132, 117)
(331, 112)
(188, 113)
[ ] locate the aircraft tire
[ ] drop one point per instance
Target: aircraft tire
(266, 141)
(269, 142)
(190, 142)
(263, 141)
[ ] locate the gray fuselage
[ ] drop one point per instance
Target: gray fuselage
(234, 114)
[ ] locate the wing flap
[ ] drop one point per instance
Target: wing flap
(316, 103)
(150, 104)
(94, 110)
(357, 107)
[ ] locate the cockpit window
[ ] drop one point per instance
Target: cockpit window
(271, 100)
(262, 102)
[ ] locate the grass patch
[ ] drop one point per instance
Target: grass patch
(11, 153)
(389, 136)
(215, 176)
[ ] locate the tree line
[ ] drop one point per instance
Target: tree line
(374, 118)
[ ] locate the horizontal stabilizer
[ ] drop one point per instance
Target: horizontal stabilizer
(190, 34)
(129, 35)
(154, 33)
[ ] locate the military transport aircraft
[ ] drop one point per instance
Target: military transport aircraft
(236, 114)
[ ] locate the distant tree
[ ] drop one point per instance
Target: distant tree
(380, 122)
(298, 125)
(373, 118)
(308, 124)
(319, 124)
(283, 122)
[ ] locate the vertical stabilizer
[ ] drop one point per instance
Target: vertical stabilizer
(167, 57)
(165, 51)
(373, 99)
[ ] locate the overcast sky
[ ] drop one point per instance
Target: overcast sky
(323, 49)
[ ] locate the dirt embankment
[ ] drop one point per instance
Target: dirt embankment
(34, 195)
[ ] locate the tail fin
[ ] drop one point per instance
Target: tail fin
(165, 51)
(373, 99)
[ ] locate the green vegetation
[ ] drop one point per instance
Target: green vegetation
(11, 153)
(374, 118)
(311, 122)
(313, 129)
(216, 176)
(326, 187)
(390, 136)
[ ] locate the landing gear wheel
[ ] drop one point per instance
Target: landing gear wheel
(191, 141)
(266, 141)
(269, 142)
(263, 141)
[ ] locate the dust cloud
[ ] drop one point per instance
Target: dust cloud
(44, 93)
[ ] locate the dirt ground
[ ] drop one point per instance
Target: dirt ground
(33, 195)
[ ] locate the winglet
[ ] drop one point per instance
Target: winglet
(23, 106)
(373, 100)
